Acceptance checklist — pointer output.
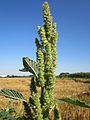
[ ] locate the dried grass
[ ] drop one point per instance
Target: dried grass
(64, 88)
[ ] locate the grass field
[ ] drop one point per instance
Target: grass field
(84, 80)
(64, 88)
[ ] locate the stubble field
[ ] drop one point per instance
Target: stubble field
(64, 88)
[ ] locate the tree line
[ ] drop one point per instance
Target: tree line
(75, 75)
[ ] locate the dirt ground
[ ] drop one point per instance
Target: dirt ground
(64, 88)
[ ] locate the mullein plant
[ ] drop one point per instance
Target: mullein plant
(46, 63)
(41, 105)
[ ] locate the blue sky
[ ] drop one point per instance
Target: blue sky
(18, 28)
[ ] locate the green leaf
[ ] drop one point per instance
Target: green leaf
(30, 66)
(57, 115)
(73, 101)
(23, 70)
(12, 94)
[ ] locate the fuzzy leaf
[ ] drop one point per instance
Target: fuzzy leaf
(23, 70)
(12, 94)
(30, 66)
(73, 101)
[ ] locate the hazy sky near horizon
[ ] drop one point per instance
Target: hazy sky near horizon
(18, 29)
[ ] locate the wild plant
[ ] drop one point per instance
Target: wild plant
(41, 105)
(9, 112)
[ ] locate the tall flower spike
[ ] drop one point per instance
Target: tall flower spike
(54, 57)
(36, 106)
(40, 63)
(45, 105)
(46, 59)
(54, 42)
(47, 21)
(33, 86)
(42, 35)
(54, 35)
